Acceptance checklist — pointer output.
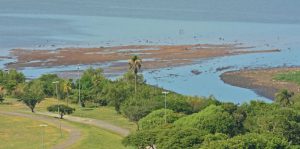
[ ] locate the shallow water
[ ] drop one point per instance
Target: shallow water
(268, 24)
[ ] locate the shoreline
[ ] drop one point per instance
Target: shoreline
(260, 80)
(116, 58)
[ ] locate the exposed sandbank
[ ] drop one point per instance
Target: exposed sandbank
(260, 80)
(154, 56)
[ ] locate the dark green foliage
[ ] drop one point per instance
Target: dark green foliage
(284, 98)
(248, 141)
(92, 84)
(210, 139)
(1, 98)
(213, 119)
(179, 138)
(62, 109)
(197, 104)
(33, 94)
(117, 93)
(142, 139)
(178, 104)
(10, 79)
(157, 118)
(134, 109)
(271, 118)
(48, 87)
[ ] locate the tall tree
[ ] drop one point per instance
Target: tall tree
(135, 64)
(67, 88)
(284, 97)
(33, 94)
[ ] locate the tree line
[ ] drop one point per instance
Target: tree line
(188, 121)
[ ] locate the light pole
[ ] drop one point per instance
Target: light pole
(79, 99)
(164, 92)
(56, 83)
(43, 134)
(56, 88)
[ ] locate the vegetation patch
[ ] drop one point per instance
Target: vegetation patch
(292, 76)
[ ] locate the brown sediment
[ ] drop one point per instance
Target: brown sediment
(154, 56)
(260, 80)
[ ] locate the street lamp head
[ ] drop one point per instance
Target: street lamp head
(43, 125)
(55, 82)
(165, 92)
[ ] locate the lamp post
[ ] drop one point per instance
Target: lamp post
(165, 93)
(56, 88)
(79, 99)
(43, 134)
(56, 83)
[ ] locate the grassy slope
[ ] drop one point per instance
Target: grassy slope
(22, 133)
(93, 137)
(107, 114)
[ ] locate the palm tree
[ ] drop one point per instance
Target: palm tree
(67, 87)
(284, 97)
(135, 64)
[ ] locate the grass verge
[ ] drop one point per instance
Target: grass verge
(24, 133)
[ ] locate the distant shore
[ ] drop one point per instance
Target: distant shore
(154, 56)
(260, 80)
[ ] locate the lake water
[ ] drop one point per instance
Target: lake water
(266, 24)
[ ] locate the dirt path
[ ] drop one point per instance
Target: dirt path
(74, 133)
(98, 123)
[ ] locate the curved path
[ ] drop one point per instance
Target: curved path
(74, 133)
(98, 123)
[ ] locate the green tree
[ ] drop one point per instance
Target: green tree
(91, 85)
(135, 64)
(63, 109)
(67, 88)
(211, 139)
(10, 79)
(284, 98)
(33, 94)
(135, 109)
(2, 93)
(142, 139)
(1, 98)
(271, 118)
(117, 93)
(213, 119)
(179, 138)
(248, 141)
(48, 86)
(156, 119)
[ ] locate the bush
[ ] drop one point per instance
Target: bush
(62, 109)
(157, 119)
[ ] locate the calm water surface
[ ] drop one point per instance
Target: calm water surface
(265, 24)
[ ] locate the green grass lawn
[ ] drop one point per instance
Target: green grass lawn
(23, 133)
(292, 76)
(94, 137)
(107, 114)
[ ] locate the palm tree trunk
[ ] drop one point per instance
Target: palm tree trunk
(135, 84)
(67, 98)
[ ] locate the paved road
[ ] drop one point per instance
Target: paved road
(74, 133)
